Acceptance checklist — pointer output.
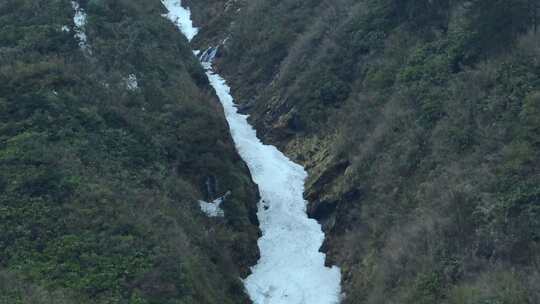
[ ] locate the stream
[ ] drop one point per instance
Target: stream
(291, 268)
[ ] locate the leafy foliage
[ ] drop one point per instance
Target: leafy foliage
(424, 167)
(99, 182)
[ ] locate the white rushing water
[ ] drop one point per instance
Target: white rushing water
(132, 83)
(291, 269)
(181, 17)
(80, 20)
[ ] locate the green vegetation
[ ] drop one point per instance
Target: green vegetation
(419, 123)
(99, 183)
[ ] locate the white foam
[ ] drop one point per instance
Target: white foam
(291, 269)
(181, 17)
(212, 209)
(80, 20)
(131, 82)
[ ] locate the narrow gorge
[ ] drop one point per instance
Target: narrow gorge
(269, 152)
(291, 269)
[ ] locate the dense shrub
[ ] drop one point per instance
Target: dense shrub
(99, 182)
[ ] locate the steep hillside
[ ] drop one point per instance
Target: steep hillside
(106, 146)
(419, 124)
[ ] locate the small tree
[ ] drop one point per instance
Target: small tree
(531, 117)
(534, 7)
(497, 23)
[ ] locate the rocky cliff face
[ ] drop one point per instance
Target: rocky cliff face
(407, 117)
